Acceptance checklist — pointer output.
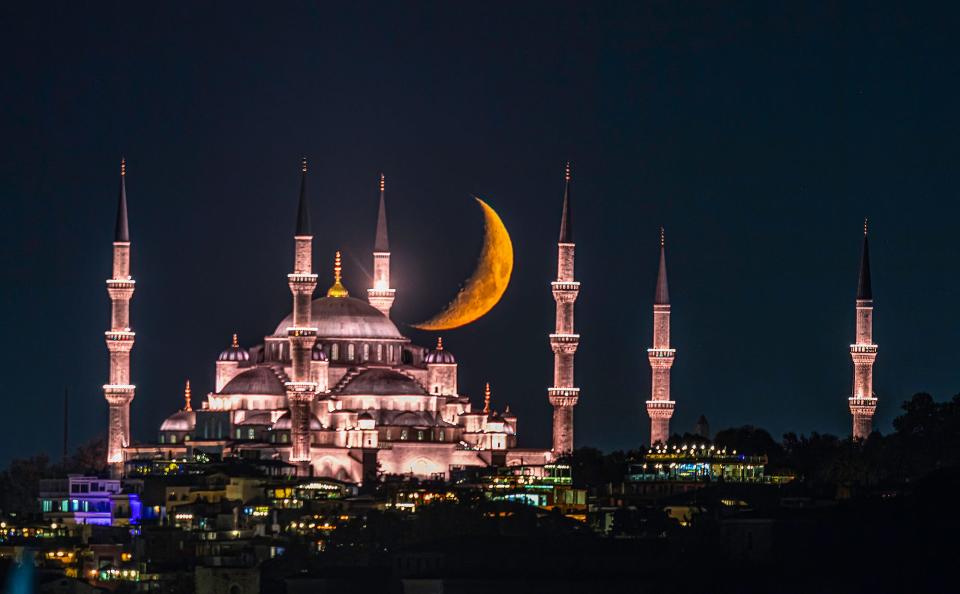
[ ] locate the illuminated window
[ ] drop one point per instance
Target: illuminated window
(379, 352)
(366, 351)
(173, 438)
(419, 435)
(351, 353)
(250, 434)
(403, 434)
(335, 352)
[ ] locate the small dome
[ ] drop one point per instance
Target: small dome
(382, 382)
(283, 423)
(364, 416)
(438, 355)
(256, 381)
(234, 352)
(184, 420)
(317, 353)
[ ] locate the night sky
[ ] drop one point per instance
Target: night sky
(760, 138)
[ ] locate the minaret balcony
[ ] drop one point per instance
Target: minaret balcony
(564, 343)
(120, 290)
(661, 353)
(563, 396)
(381, 293)
(301, 391)
(296, 332)
(863, 406)
(660, 409)
(565, 292)
(119, 340)
(302, 277)
(863, 348)
(118, 394)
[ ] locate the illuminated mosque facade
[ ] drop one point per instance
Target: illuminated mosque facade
(336, 389)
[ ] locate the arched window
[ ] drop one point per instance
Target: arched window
(403, 434)
(335, 351)
(351, 352)
(379, 352)
(366, 351)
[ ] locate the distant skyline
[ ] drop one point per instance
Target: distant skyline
(759, 137)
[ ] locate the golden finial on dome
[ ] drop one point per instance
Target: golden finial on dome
(486, 399)
(236, 343)
(186, 397)
(439, 343)
(337, 289)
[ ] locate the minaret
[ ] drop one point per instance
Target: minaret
(486, 399)
(660, 407)
(119, 391)
(863, 403)
(381, 295)
(563, 395)
(301, 390)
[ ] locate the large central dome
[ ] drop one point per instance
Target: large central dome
(345, 317)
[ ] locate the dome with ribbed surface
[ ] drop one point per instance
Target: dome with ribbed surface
(439, 357)
(382, 382)
(345, 317)
(184, 420)
(256, 381)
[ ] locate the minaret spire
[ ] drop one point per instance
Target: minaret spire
(486, 399)
(303, 209)
(301, 389)
(122, 228)
(863, 402)
(566, 218)
(563, 396)
(660, 406)
(119, 392)
(381, 295)
(187, 405)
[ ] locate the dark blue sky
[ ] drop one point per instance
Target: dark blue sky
(759, 136)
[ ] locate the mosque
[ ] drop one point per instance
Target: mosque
(336, 389)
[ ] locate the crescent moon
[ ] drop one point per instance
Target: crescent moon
(487, 284)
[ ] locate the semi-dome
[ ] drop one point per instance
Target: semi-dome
(261, 418)
(184, 420)
(283, 423)
(439, 355)
(234, 352)
(256, 381)
(382, 382)
(345, 317)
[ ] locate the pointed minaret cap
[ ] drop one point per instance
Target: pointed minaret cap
(187, 405)
(382, 243)
(662, 295)
(486, 398)
(337, 289)
(303, 209)
(864, 286)
(235, 343)
(439, 343)
(566, 219)
(121, 232)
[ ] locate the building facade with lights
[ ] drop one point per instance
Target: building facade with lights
(335, 389)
